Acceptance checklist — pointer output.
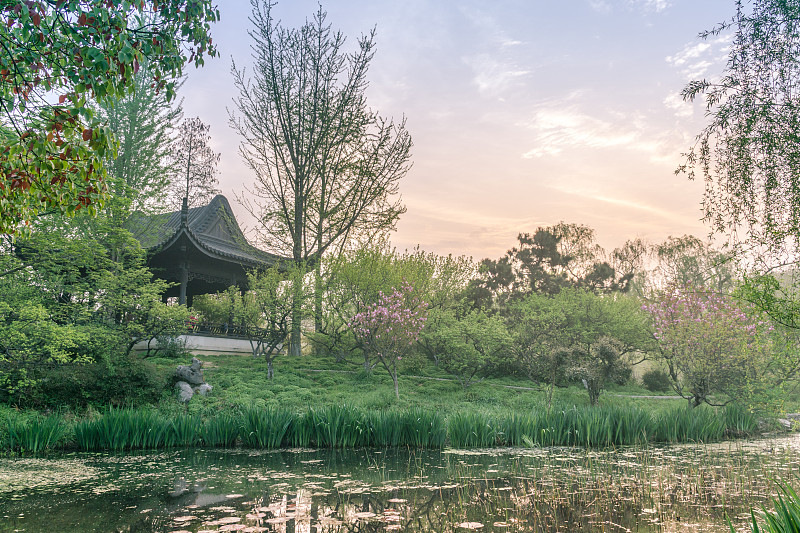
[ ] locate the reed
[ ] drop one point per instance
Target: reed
(300, 431)
(471, 430)
(386, 428)
(739, 422)
(346, 426)
(339, 426)
(221, 431)
(516, 429)
(126, 429)
(36, 434)
(185, 431)
(784, 519)
(265, 427)
(420, 428)
(686, 424)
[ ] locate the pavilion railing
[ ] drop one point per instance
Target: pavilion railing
(230, 331)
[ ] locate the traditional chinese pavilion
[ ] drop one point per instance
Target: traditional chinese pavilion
(202, 249)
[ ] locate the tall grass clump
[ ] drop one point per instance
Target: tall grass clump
(421, 428)
(300, 430)
(516, 429)
(471, 429)
(125, 429)
(265, 427)
(688, 424)
(185, 431)
(220, 431)
(339, 426)
(739, 422)
(35, 434)
(386, 428)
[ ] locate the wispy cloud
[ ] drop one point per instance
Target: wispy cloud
(622, 202)
(679, 106)
(560, 127)
(601, 6)
(493, 75)
(695, 59)
(652, 5)
(494, 68)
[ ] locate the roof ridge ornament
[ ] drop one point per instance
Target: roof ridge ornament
(185, 213)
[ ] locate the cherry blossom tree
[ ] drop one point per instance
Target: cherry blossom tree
(711, 344)
(388, 328)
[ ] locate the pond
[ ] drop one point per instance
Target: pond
(664, 488)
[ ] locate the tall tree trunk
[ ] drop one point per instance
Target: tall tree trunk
(297, 253)
(318, 297)
(295, 340)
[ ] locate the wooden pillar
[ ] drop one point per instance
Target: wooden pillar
(184, 273)
(184, 282)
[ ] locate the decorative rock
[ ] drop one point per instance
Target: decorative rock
(185, 391)
(190, 381)
(191, 374)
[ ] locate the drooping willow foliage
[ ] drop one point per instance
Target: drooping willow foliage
(749, 153)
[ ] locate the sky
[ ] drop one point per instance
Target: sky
(523, 113)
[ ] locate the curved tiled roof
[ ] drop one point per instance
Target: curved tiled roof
(211, 227)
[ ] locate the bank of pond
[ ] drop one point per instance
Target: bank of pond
(342, 426)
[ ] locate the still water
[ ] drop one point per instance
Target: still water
(672, 488)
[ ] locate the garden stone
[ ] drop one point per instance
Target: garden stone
(191, 374)
(203, 389)
(185, 391)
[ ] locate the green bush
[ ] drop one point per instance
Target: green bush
(172, 347)
(128, 382)
(656, 381)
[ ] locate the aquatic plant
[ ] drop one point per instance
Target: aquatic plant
(300, 430)
(739, 422)
(421, 428)
(688, 424)
(345, 426)
(471, 429)
(221, 430)
(386, 428)
(265, 427)
(124, 429)
(339, 426)
(185, 430)
(35, 434)
(784, 519)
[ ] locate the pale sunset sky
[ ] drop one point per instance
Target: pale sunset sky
(523, 113)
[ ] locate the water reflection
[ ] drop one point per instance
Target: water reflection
(677, 488)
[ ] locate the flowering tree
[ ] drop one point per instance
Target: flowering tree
(389, 327)
(711, 344)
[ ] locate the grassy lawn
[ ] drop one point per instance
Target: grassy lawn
(301, 382)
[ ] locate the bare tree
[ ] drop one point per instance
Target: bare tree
(327, 167)
(195, 163)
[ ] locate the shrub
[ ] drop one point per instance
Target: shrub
(171, 347)
(128, 382)
(656, 381)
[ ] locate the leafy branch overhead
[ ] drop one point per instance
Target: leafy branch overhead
(748, 153)
(56, 58)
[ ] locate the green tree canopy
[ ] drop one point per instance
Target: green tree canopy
(59, 56)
